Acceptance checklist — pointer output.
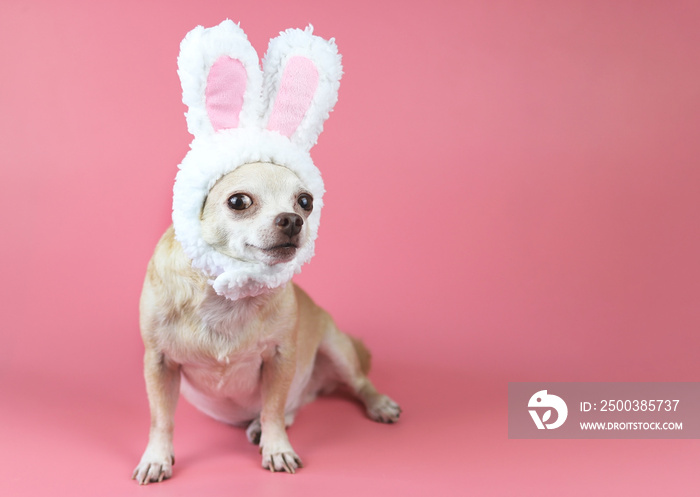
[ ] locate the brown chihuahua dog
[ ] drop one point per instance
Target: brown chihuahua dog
(221, 320)
(252, 361)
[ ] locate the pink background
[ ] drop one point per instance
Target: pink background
(513, 193)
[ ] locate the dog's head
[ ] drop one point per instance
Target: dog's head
(258, 212)
(247, 223)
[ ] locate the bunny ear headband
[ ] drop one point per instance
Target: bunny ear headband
(239, 114)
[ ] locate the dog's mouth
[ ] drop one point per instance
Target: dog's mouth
(282, 252)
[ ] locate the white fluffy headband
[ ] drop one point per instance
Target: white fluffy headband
(240, 114)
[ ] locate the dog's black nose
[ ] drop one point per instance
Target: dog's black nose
(289, 223)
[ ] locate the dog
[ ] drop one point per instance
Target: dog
(220, 318)
(252, 361)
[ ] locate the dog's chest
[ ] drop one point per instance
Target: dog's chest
(232, 341)
(234, 376)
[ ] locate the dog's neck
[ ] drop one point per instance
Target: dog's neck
(224, 315)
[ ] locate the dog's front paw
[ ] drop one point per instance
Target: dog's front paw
(281, 460)
(153, 467)
(383, 409)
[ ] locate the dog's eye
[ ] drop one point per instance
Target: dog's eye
(239, 202)
(306, 201)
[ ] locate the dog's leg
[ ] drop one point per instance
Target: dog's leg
(163, 387)
(254, 429)
(350, 361)
(277, 374)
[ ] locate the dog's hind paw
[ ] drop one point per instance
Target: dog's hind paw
(383, 410)
(254, 431)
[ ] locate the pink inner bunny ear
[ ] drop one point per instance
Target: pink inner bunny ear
(223, 95)
(296, 91)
